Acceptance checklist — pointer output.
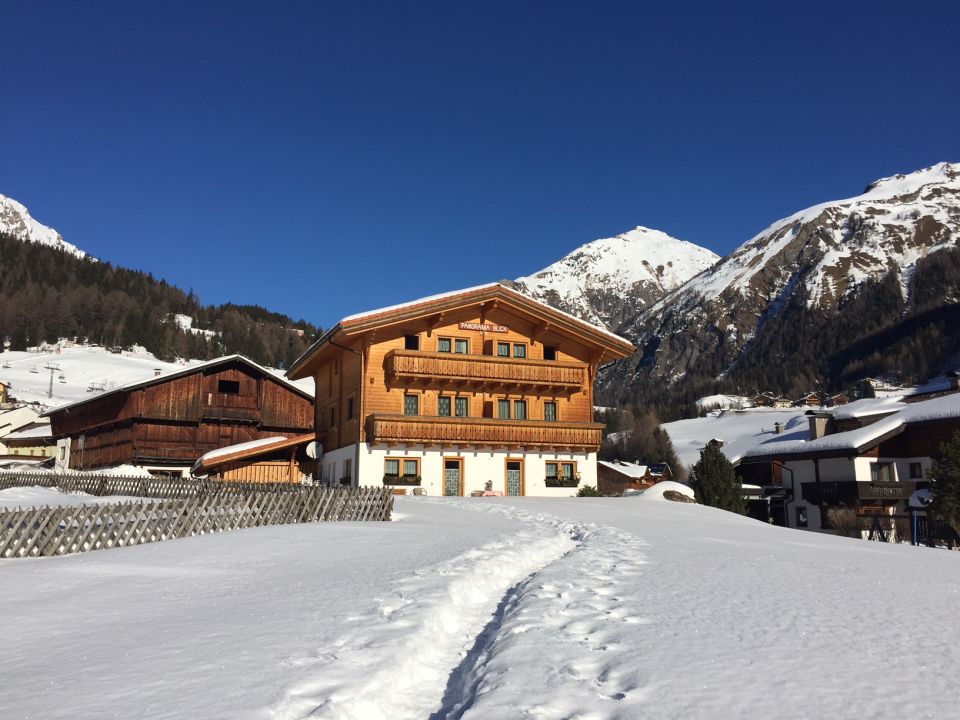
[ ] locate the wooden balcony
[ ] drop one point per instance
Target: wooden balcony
(415, 366)
(482, 432)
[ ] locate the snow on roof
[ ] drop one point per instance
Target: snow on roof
(942, 408)
(625, 468)
(869, 406)
(414, 303)
(478, 288)
(239, 447)
(34, 430)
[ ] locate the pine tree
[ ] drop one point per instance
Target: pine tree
(945, 472)
(715, 482)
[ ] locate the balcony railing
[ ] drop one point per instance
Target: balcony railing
(425, 430)
(852, 491)
(486, 369)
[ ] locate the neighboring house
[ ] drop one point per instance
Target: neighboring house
(872, 466)
(838, 399)
(13, 420)
(659, 472)
(32, 441)
(165, 423)
(616, 476)
(275, 459)
(811, 399)
(482, 389)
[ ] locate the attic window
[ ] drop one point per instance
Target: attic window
(549, 353)
(228, 387)
(411, 342)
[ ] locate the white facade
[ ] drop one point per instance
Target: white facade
(481, 469)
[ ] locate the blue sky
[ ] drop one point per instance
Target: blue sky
(323, 158)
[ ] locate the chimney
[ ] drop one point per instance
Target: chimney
(778, 428)
(156, 372)
(818, 425)
(954, 377)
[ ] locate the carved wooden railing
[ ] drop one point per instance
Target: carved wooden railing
(419, 429)
(428, 366)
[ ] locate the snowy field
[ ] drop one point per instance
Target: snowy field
(30, 497)
(493, 609)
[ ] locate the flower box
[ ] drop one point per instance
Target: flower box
(405, 480)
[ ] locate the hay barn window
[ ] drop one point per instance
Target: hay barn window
(228, 387)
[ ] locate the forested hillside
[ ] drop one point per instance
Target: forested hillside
(47, 294)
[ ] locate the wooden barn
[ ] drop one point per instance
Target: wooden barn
(270, 460)
(165, 423)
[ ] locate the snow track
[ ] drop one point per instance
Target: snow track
(440, 649)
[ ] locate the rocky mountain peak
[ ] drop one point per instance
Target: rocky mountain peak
(16, 220)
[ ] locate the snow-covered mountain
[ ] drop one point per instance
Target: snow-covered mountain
(16, 220)
(610, 280)
(814, 263)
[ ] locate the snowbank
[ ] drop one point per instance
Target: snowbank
(656, 492)
(24, 497)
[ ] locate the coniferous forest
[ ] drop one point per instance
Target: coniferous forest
(47, 294)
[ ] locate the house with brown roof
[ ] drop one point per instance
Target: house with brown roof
(483, 389)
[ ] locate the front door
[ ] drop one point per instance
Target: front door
(452, 472)
(514, 478)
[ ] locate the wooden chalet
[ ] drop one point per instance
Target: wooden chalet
(482, 389)
(811, 399)
(270, 460)
(165, 423)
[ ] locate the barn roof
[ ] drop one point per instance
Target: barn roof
(248, 450)
(201, 367)
(615, 345)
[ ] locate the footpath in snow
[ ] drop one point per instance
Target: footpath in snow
(489, 609)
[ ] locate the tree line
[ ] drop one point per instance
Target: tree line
(47, 294)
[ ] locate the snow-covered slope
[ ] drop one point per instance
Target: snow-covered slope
(16, 220)
(811, 261)
(608, 280)
(486, 609)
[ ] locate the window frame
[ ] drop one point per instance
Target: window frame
(457, 401)
(915, 470)
(550, 349)
(401, 477)
(453, 342)
(523, 353)
(517, 405)
(561, 478)
(501, 403)
(223, 384)
(441, 400)
(556, 410)
(409, 340)
(503, 349)
(416, 398)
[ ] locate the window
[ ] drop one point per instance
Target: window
(462, 406)
(443, 406)
(503, 349)
(558, 472)
(916, 470)
(333, 416)
(801, 517)
(550, 411)
(411, 342)
(457, 345)
(520, 409)
(519, 350)
(411, 404)
(399, 470)
(503, 409)
(881, 472)
(347, 478)
(228, 387)
(549, 353)
(350, 409)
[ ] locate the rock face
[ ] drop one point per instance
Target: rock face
(815, 264)
(609, 281)
(15, 220)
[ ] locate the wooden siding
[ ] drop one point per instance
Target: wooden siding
(498, 371)
(176, 420)
(412, 429)
(265, 471)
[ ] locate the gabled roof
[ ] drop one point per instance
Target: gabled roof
(356, 324)
(201, 367)
(853, 442)
(629, 469)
